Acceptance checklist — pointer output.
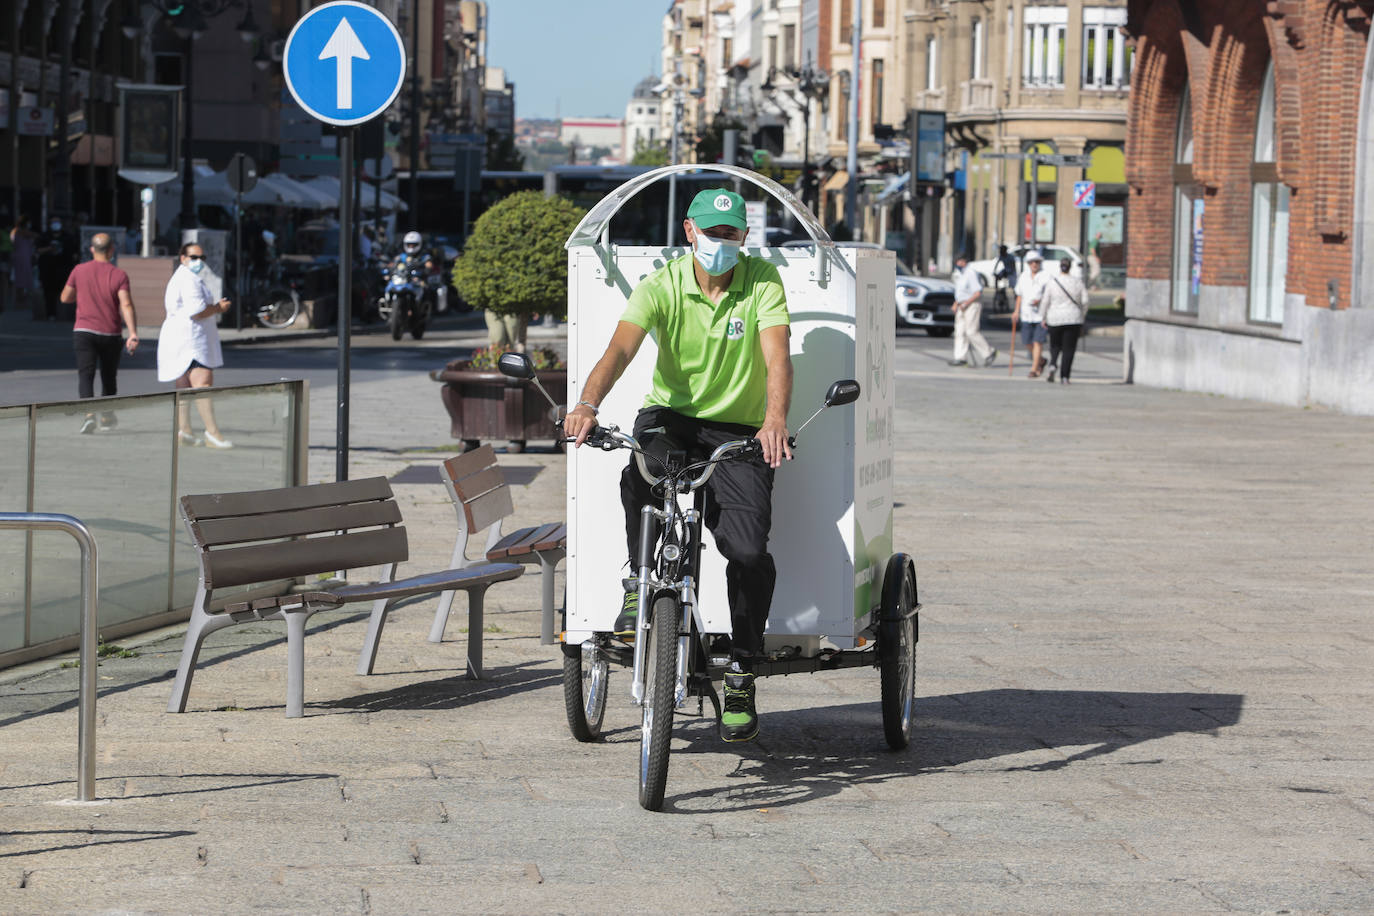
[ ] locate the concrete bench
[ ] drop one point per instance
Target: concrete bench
(264, 536)
(482, 499)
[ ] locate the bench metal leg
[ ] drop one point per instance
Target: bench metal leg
(548, 559)
(436, 630)
(475, 627)
(368, 657)
(201, 625)
(295, 661)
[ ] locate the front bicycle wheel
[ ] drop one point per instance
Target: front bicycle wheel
(656, 727)
(586, 671)
(278, 309)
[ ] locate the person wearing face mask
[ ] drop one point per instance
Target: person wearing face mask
(188, 348)
(724, 371)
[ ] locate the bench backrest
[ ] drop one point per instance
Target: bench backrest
(475, 483)
(229, 529)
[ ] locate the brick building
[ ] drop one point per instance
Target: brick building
(1251, 253)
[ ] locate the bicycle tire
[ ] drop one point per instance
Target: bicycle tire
(586, 674)
(278, 309)
(656, 726)
(897, 656)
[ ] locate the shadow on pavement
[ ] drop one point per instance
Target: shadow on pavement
(452, 692)
(247, 781)
(96, 838)
(808, 754)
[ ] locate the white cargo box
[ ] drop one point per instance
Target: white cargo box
(832, 505)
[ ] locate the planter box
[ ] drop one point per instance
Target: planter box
(483, 404)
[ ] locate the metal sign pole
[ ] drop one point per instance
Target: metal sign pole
(238, 257)
(345, 296)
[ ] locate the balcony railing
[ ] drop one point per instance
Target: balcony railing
(930, 99)
(977, 96)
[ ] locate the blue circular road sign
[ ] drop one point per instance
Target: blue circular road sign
(344, 62)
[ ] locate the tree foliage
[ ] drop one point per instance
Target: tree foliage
(514, 263)
(654, 154)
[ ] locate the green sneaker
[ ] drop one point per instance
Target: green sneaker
(628, 620)
(739, 721)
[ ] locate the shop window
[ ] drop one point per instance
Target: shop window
(1188, 215)
(1042, 64)
(1268, 217)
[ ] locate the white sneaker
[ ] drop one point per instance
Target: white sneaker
(189, 439)
(215, 442)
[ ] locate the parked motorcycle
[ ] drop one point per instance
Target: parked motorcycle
(405, 303)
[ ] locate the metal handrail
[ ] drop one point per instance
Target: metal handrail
(85, 729)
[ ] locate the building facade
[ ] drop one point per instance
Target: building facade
(1251, 268)
(1015, 77)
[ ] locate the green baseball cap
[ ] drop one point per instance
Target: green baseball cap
(717, 207)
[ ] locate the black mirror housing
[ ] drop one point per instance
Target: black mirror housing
(515, 365)
(845, 391)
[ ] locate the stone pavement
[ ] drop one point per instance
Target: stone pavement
(1144, 683)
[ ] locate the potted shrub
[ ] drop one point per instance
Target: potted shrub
(514, 264)
(484, 404)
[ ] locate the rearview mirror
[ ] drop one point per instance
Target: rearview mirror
(515, 365)
(845, 391)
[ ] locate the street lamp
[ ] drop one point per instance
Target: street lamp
(813, 83)
(189, 20)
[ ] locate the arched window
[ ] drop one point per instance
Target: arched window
(1268, 217)
(1188, 207)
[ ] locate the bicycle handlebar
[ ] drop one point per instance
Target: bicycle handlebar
(610, 438)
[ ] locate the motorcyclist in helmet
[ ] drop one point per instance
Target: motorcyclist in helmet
(412, 253)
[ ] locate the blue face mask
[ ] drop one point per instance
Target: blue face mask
(195, 266)
(716, 256)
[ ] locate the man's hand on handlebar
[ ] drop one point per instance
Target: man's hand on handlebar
(578, 424)
(772, 437)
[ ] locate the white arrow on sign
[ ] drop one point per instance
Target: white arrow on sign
(343, 46)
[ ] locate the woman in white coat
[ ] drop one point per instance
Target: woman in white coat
(1065, 308)
(188, 349)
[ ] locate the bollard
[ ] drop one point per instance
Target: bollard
(85, 729)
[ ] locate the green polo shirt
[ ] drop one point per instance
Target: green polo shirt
(710, 362)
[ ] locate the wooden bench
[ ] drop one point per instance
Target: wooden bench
(264, 536)
(482, 499)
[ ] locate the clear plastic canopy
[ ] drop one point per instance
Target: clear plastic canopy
(593, 225)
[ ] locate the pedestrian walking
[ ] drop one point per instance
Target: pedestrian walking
(968, 315)
(188, 348)
(1030, 289)
(1066, 308)
(56, 258)
(101, 293)
(25, 244)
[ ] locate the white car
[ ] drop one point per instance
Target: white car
(1051, 253)
(921, 302)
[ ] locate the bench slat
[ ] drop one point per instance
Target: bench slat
(558, 537)
(214, 532)
(471, 577)
(488, 509)
(475, 486)
(469, 463)
(253, 502)
(289, 559)
(519, 543)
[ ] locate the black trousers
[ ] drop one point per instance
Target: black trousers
(1064, 337)
(94, 350)
(738, 511)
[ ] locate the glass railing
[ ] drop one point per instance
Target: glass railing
(124, 483)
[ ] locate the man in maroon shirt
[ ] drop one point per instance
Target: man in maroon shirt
(101, 293)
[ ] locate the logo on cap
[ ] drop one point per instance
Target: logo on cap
(723, 202)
